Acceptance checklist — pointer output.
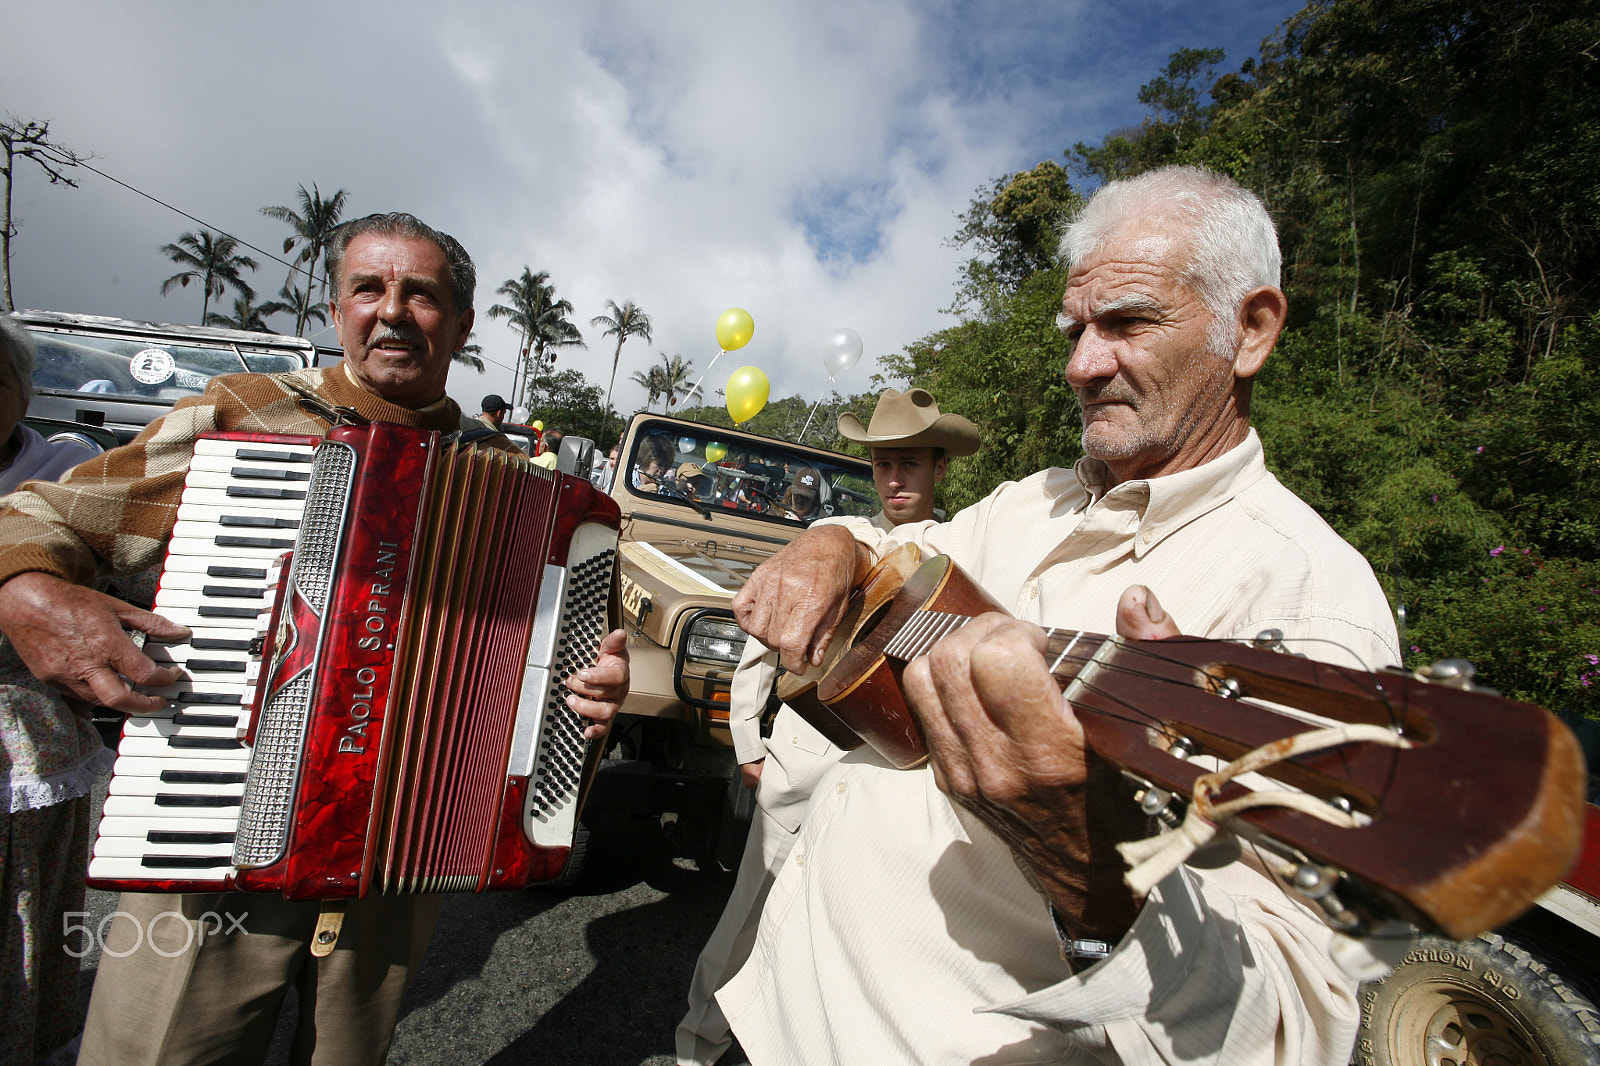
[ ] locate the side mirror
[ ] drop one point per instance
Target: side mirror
(576, 456)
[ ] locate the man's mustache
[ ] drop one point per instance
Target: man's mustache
(390, 333)
(1106, 394)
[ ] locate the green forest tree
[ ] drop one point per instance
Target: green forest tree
(1434, 171)
(567, 401)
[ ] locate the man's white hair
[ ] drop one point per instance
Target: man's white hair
(1233, 245)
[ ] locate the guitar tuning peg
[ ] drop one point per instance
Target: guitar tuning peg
(1457, 673)
(1269, 640)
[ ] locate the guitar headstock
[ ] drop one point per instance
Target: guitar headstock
(1464, 827)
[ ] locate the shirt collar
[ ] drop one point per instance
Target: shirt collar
(1165, 504)
(433, 407)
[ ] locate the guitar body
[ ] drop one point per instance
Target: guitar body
(883, 583)
(1463, 827)
(863, 687)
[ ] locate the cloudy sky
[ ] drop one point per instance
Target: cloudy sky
(804, 161)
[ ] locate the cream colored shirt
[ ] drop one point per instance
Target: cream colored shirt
(796, 752)
(900, 930)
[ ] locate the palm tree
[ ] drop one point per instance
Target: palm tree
(623, 322)
(668, 378)
(211, 261)
(313, 227)
(300, 303)
(470, 355)
(247, 315)
(651, 382)
(532, 307)
(675, 379)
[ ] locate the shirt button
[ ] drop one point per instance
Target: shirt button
(839, 788)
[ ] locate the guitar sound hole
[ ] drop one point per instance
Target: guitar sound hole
(864, 630)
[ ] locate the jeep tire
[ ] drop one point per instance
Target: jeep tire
(1474, 1003)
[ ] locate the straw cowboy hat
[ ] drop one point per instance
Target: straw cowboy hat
(911, 419)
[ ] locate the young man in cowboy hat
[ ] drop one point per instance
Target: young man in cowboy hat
(911, 444)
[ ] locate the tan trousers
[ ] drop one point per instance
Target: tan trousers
(703, 1035)
(196, 988)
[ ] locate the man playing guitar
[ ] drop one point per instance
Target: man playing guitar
(973, 909)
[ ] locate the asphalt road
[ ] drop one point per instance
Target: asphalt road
(595, 974)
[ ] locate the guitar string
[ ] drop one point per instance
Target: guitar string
(1379, 691)
(927, 627)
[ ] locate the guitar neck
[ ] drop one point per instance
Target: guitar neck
(1067, 651)
(1463, 828)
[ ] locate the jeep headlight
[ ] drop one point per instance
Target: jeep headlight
(717, 640)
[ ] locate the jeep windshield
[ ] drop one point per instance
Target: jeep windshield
(142, 368)
(704, 469)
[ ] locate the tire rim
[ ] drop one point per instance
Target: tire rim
(1455, 1025)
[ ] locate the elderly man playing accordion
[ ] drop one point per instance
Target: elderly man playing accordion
(170, 987)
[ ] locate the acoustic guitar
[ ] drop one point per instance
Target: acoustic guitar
(1458, 830)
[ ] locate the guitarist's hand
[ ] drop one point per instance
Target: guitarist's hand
(1003, 743)
(794, 600)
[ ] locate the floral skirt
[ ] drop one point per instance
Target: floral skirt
(41, 876)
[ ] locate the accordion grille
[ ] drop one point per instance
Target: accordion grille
(274, 768)
(265, 812)
(558, 765)
(317, 548)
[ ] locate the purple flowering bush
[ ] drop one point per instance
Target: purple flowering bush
(1532, 627)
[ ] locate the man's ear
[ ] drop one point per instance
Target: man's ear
(940, 467)
(465, 326)
(1261, 317)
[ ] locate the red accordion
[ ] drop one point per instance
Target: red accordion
(387, 711)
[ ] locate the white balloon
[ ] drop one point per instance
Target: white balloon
(841, 352)
(519, 415)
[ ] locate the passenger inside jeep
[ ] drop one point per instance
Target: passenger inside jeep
(766, 479)
(805, 500)
(654, 458)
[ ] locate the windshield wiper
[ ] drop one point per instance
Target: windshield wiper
(672, 490)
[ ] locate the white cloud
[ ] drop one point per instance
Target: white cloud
(804, 161)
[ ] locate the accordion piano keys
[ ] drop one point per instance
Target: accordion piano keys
(179, 777)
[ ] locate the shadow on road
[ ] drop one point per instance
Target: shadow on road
(593, 974)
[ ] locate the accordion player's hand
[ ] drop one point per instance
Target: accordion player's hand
(599, 689)
(76, 639)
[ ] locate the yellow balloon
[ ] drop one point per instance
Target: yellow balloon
(538, 425)
(735, 328)
(716, 451)
(747, 392)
